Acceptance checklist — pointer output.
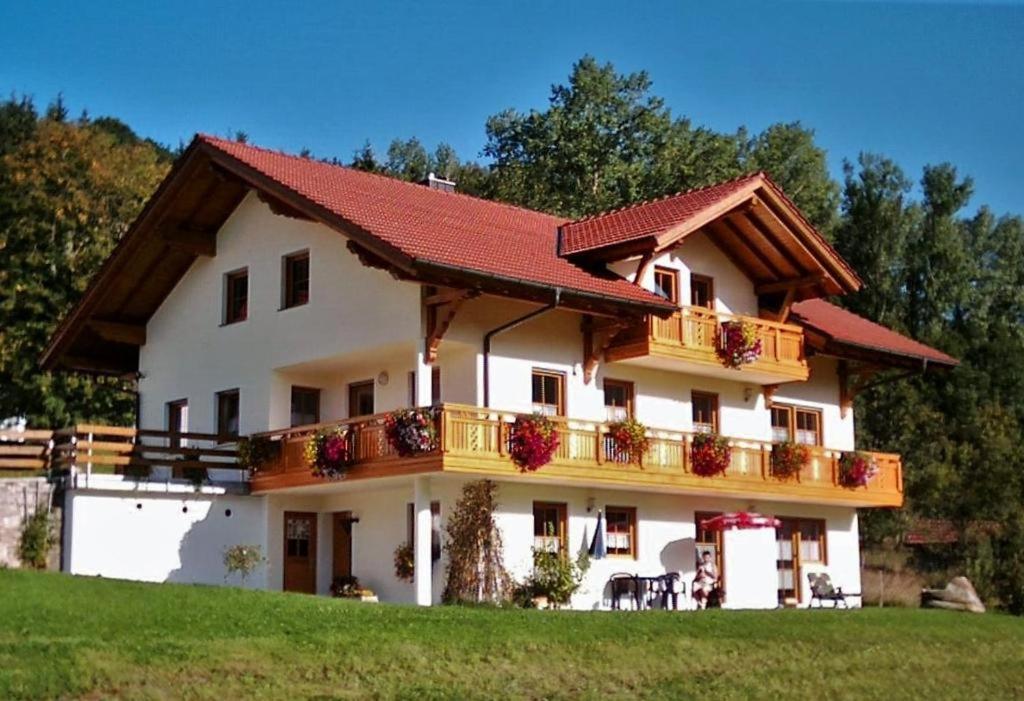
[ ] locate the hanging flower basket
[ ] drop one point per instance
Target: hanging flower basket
(631, 442)
(856, 469)
(738, 343)
(533, 442)
(330, 453)
(405, 562)
(411, 431)
(789, 458)
(710, 455)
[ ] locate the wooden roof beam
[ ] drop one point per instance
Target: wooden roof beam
(193, 240)
(791, 284)
(119, 332)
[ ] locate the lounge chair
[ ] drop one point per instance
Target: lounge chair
(823, 590)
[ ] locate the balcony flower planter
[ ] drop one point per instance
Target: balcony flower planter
(630, 440)
(256, 451)
(738, 343)
(788, 459)
(330, 453)
(710, 455)
(533, 442)
(856, 469)
(411, 431)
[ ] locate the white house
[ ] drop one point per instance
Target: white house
(262, 293)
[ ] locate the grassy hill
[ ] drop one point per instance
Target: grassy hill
(74, 637)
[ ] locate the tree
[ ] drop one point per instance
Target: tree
(68, 192)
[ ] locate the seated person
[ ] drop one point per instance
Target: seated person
(706, 580)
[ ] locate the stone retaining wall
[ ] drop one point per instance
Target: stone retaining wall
(19, 497)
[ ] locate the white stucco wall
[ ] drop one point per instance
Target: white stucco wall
(178, 537)
(181, 537)
(353, 311)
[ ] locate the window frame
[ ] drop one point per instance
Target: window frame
(630, 390)
(792, 412)
(561, 510)
(674, 275)
(354, 387)
(229, 295)
(716, 424)
(705, 280)
(559, 378)
(288, 299)
(174, 410)
(633, 527)
(313, 391)
(223, 433)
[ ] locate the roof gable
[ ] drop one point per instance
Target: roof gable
(750, 219)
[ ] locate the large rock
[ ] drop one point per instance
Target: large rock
(959, 595)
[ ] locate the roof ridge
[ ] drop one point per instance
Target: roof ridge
(671, 195)
(390, 178)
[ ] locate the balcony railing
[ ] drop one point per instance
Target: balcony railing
(693, 334)
(475, 440)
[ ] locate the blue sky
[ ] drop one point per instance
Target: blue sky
(921, 82)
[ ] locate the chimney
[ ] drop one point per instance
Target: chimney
(436, 183)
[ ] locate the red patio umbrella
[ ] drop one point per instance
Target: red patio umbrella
(740, 520)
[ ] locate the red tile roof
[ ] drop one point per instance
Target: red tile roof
(647, 218)
(847, 328)
(438, 227)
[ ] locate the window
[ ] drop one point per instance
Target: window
(435, 387)
(295, 280)
(177, 421)
(360, 398)
(305, 406)
(666, 284)
(236, 296)
(796, 424)
(621, 531)
(549, 527)
(812, 541)
(705, 412)
(702, 291)
(297, 536)
(435, 528)
(618, 400)
(549, 393)
(227, 413)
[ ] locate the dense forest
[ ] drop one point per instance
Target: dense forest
(936, 266)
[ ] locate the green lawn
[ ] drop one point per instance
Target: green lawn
(74, 637)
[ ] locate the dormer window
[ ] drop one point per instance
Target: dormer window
(666, 283)
(702, 291)
(236, 296)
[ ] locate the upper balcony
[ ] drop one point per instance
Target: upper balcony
(689, 340)
(474, 441)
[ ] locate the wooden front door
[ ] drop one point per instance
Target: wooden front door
(300, 552)
(787, 560)
(342, 544)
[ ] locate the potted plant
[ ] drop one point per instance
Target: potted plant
(856, 469)
(255, 451)
(555, 578)
(405, 562)
(630, 437)
(348, 587)
(331, 452)
(710, 455)
(789, 458)
(738, 343)
(533, 442)
(411, 431)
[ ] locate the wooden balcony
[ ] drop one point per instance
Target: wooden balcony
(689, 340)
(473, 441)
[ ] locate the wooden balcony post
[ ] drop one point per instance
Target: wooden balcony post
(778, 344)
(599, 452)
